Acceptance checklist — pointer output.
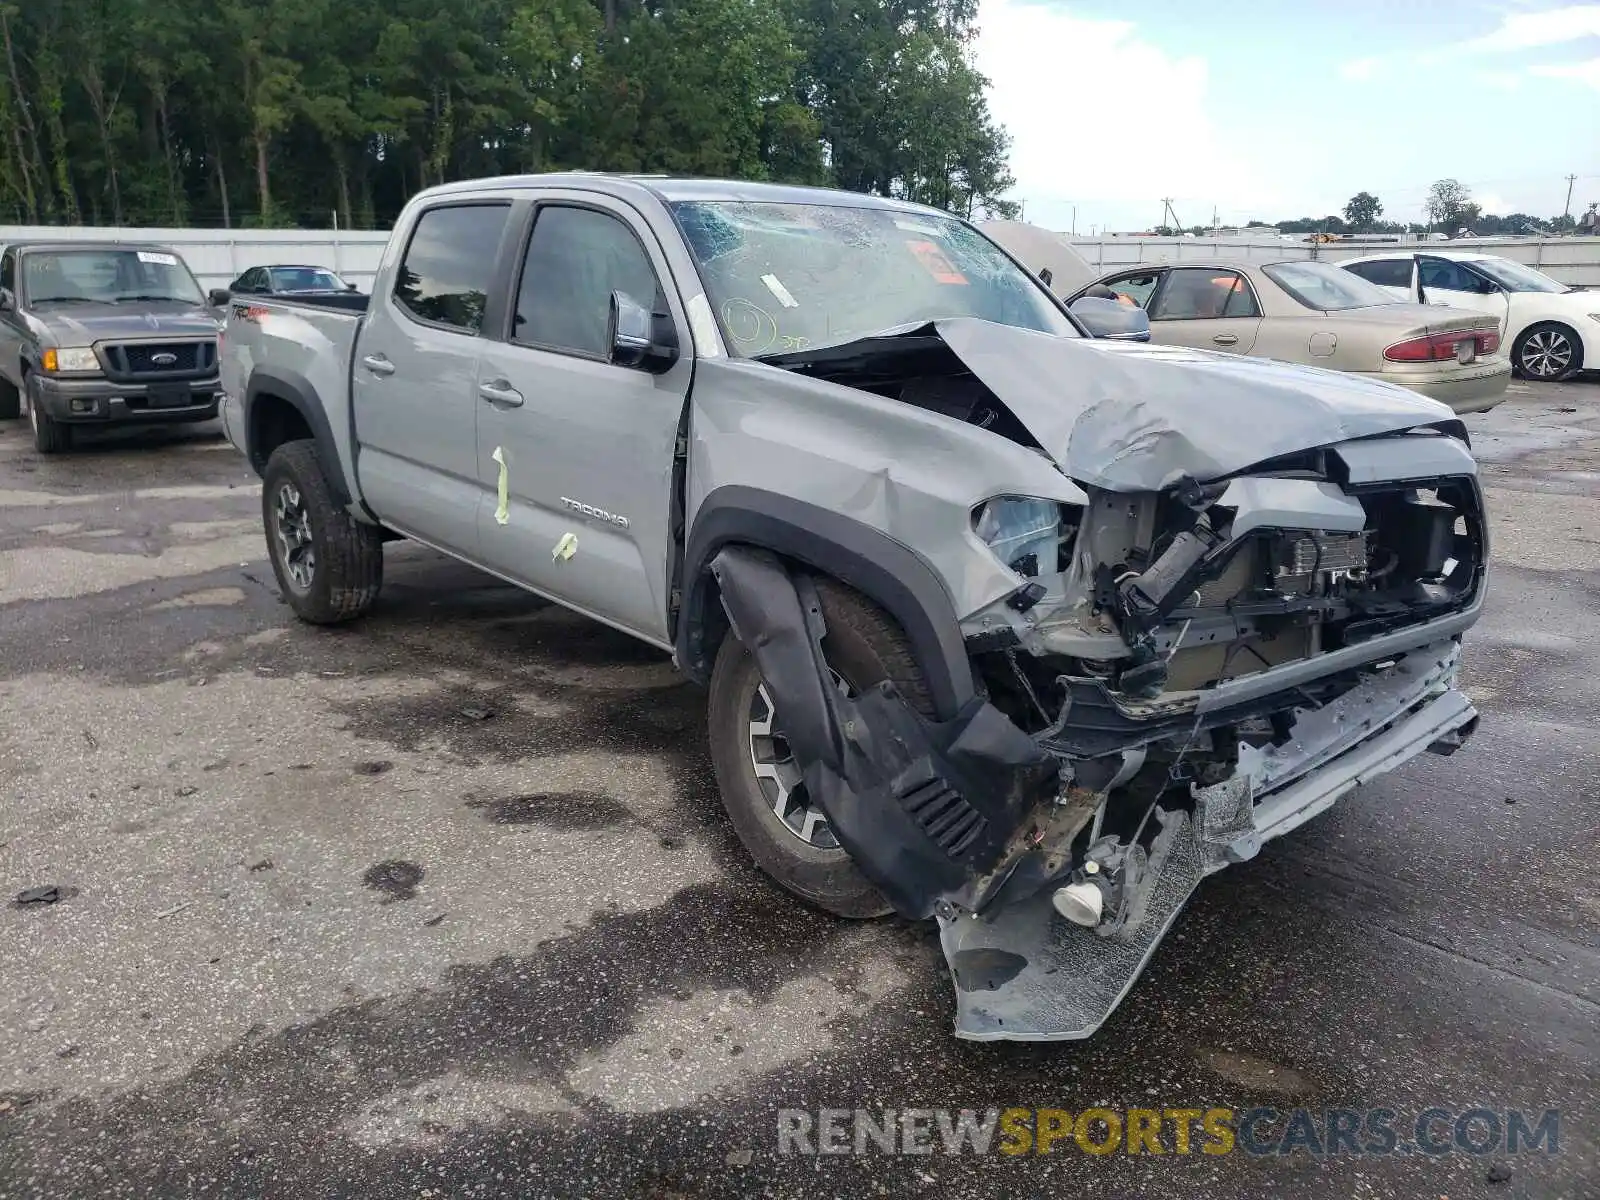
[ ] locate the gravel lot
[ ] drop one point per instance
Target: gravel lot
(442, 904)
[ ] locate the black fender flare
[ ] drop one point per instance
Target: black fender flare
(302, 397)
(867, 559)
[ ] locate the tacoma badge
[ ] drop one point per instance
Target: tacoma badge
(598, 514)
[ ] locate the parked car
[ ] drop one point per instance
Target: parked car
(1552, 329)
(100, 333)
(282, 280)
(1001, 624)
(1313, 313)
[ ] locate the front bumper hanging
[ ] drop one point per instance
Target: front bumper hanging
(1027, 974)
(929, 810)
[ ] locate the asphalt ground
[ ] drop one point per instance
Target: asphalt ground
(443, 903)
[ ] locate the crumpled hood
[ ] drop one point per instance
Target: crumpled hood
(1130, 418)
(85, 324)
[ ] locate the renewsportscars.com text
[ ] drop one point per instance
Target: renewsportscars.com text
(1160, 1131)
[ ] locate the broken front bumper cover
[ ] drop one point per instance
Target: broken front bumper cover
(1027, 974)
(944, 816)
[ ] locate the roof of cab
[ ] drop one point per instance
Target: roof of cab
(671, 190)
(1430, 251)
(57, 246)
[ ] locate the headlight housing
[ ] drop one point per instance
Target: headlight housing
(71, 358)
(1024, 532)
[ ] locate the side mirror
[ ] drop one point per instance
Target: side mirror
(1046, 275)
(1111, 319)
(7, 300)
(349, 287)
(217, 297)
(639, 338)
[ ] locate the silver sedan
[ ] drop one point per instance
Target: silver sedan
(1316, 314)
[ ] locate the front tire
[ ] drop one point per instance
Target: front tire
(329, 565)
(50, 436)
(1548, 352)
(790, 842)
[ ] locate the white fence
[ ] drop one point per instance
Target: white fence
(218, 256)
(1572, 260)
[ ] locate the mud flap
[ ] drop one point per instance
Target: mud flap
(924, 808)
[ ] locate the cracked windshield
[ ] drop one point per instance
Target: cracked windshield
(788, 277)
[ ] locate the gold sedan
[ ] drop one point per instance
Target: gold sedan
(1316, 314)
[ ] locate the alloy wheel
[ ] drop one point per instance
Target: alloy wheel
(292, 525)
(779, 775)
(1546, 354)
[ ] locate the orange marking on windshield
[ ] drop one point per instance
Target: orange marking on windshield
(933, 261)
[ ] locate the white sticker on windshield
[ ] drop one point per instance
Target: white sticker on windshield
(916, 227)
(161, 260)
(775, 286)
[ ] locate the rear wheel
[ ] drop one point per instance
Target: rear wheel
(762, 790)
(1547, 352)
(49, 435)
(329, 565)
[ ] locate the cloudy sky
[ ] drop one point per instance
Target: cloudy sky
(1287, 108)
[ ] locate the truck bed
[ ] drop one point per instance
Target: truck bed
(298, 349)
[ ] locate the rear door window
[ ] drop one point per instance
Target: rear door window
(448, 265)
(1385, 272)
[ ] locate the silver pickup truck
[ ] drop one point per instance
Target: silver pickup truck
(1002, 624)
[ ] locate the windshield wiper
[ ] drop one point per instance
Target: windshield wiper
(67, 300)
(173, 299)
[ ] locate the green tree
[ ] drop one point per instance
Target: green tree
(305, 111)
(1363, 211)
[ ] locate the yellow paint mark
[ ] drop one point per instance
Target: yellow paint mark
(502, 512)
(565, 548)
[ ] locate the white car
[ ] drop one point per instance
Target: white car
(1553, 330)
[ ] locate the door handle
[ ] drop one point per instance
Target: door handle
(378, 364)
(500, 391)
(1226, 339)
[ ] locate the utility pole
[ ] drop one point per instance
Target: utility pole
(1074, 220)
(1567, 211)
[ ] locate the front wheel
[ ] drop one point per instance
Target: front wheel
(1547, 352)
(766, 799)
(50, 436)
(328, 564)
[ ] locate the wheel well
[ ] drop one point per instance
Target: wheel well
(820, 540)
(1552, 323)
(704, 622)
(273, 421)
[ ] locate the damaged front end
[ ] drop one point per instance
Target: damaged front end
(1190, 663)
